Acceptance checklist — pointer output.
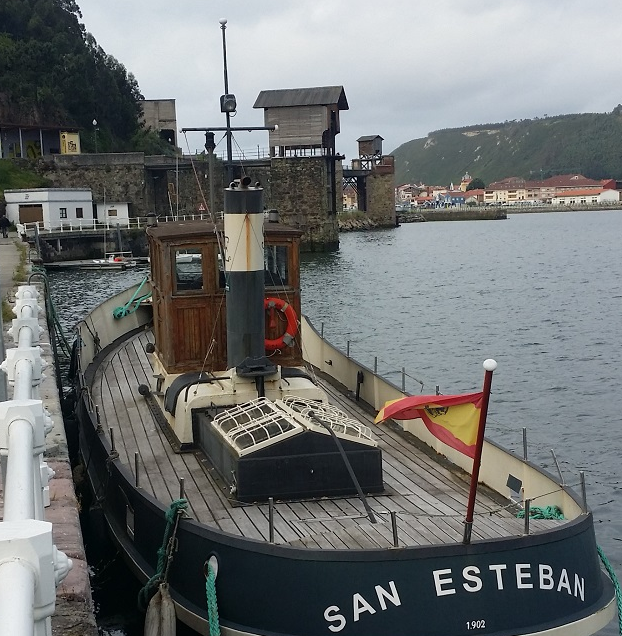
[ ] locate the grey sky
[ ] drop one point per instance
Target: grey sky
(407, 67)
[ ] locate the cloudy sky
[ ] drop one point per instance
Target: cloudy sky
(407, 67)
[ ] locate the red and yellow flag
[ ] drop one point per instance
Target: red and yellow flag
(454, 419)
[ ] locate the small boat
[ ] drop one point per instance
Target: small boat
(112, 261)
(236, 458)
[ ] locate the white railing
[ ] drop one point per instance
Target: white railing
(90, 225)
(30, 565)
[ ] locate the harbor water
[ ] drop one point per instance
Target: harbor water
(427, 303)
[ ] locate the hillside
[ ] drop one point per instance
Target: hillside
(590, 144)
(53, 73)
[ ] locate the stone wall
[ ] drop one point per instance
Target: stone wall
(299, 191)
(381, 196)
(296, 186)
(111, 177)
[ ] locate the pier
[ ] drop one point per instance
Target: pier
(37, 510)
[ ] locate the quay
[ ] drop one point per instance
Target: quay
(73, 614)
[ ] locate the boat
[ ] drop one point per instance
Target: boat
(235, 456)
(119, 261)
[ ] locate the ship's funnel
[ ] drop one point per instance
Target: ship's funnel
(244, 259)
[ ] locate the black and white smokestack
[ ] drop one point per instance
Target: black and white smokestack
(244, 256)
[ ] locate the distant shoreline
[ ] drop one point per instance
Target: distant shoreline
(487, 213)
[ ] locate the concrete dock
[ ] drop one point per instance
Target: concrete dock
(74, 606)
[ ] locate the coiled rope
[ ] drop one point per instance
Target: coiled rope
(212, 602)
(548, 512)
(165, 553)
(132, 304)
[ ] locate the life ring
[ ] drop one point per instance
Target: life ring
(287, 339)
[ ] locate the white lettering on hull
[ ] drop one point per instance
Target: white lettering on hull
(525, 577)
(471, 579)
(360, 606)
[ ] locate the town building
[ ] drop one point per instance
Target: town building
(586, 196)
(56, 208)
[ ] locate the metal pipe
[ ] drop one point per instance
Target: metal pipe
(583, 490)
(525, 444)
(527, 511)
(271, 518)
(23, 378)
(136, 469)
(375, 365)
(20, 486)
(182, 488)
(403, 379)
(347, 349)
(559, 470)
(112, 448)
(396, 541)
(17, 598)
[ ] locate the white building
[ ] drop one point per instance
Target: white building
(114, 213)
(586, 196)
(51, 208)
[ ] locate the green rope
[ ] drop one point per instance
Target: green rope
(212, 602)
(164, 554)
(535, 512)
(616, 584)
(128, 308)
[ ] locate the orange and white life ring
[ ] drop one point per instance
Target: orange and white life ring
(287, 339)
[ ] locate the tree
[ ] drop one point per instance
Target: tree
(53, 72)
(476, 184)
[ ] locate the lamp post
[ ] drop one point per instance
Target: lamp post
(227, 102)
(95, 131)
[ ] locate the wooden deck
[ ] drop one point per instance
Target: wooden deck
(428, 497)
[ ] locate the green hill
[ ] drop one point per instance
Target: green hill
(53, 73)
(589, 144)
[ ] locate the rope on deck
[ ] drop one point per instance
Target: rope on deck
(132, 304)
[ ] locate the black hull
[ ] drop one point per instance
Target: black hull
(520, 585)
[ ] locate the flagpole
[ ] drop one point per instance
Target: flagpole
(489, 365)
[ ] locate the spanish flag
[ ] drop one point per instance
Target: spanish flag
(454, 419)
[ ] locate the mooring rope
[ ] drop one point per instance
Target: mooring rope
(165, 553)
(212, 602)
(616, 585)
(129, 308)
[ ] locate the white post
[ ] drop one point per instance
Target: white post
(17, 597)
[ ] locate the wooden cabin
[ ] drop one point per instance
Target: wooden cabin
(307, 119)
(189, 295)
(370, 146)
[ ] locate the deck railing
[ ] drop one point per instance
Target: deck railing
(30, 564)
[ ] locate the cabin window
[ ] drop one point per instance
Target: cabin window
(62, 213)
(79, 213)
(188, 269)
(276, 265)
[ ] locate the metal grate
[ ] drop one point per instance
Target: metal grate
(254, 423)
(329, 414)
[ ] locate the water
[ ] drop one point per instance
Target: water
(540, 293)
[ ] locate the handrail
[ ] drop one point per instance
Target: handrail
(92, 225)
(31, 567)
